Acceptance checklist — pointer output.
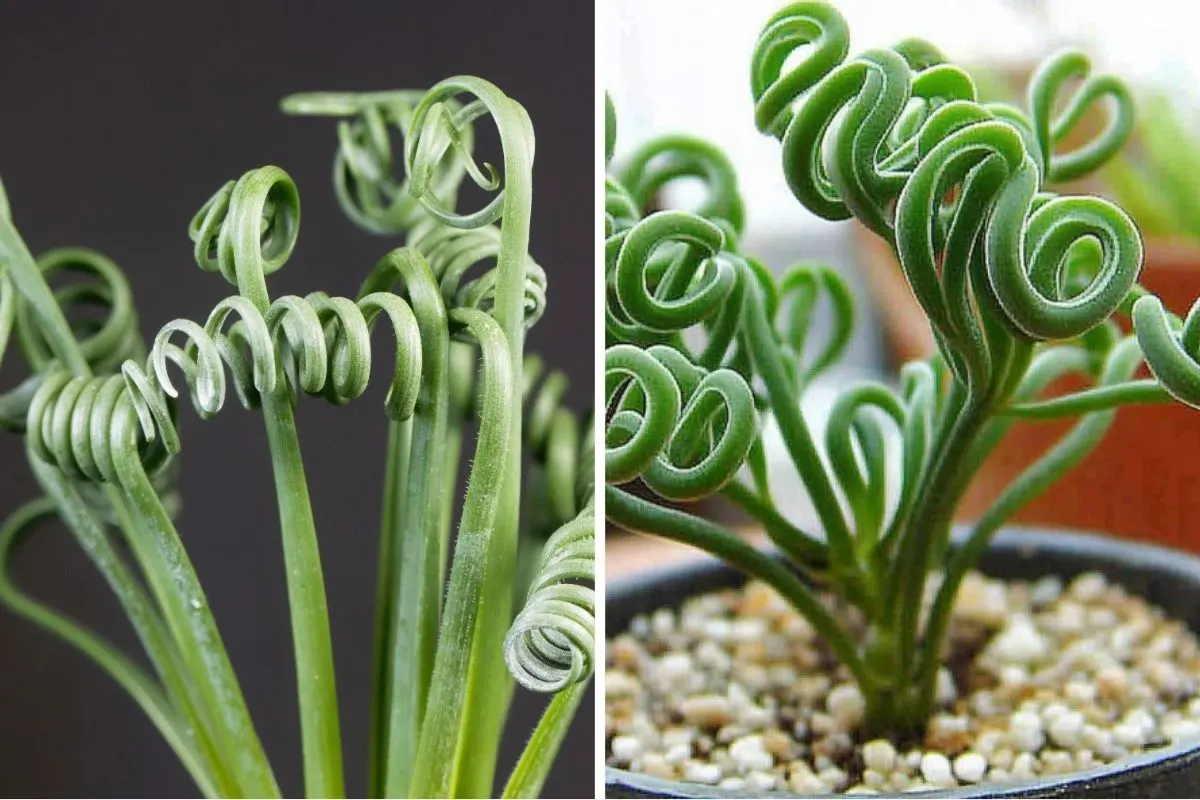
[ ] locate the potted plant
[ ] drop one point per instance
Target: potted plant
(886, 652)
(459, 618)
(1147, 179)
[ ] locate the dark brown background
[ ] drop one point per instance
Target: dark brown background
(116, 122)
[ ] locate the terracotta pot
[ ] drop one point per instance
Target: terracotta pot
(1140, 482)
(1168, 579)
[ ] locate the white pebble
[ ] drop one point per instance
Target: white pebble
(750, 754)
(1167, 678)
(736, 784)
(1025, 732)
(846, 705)
(621, 684)
(1182, 729)
(981, 600)
(834, 778)
(752, 676)
(1013, 676)
(1020, 642)
(677, 754)
(1080, 692)
(802, 780)
(751, 629)
(989, 741)
(718, 630)
(760, 782)
(1088, 587)
(970, 767)
(1045, 591)
(626, 748)
(1056, 762)
(1141, 718)
(711, 655)
(879, 755)
(1070, 617)
(674, 666)
(1128, 736)
(1053, 710)
(662, 622)
(935, 769)
(1023, 767)
(701, 772)
(1097, 739)
(755, 717)
(1066, 729)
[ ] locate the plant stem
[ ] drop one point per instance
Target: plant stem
(529, 775)
(173, 580)
(484, 703)
(1066, 454)
(414, 524)
(312, 642)
(315, 681)
(806, 549)
(934, 503)
(796, 436)
(443, 753)
(178, 732)
(250, 772)
(394, 480)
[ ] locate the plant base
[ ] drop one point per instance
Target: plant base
(1056, 677)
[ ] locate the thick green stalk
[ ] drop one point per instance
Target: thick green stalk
(395, 478)
(932, 508)
(413, 511)
(529, 775)
(483, 706)
(796, 436)
(311, 638)
(1066, 454)
(174, 583)
(315, 681)
(444, 753)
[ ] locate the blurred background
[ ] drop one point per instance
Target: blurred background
(120, 120)
(684, 67)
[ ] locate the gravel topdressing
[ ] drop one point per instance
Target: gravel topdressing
(735, 690)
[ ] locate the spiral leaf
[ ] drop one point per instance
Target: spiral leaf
(551, 643)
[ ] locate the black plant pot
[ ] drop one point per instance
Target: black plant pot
(1166, 578)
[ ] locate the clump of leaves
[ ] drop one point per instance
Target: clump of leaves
(99, 415)
(1020, 287)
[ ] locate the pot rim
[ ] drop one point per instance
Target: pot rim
(1016, 538)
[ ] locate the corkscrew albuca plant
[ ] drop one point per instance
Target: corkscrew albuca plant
(99, 414)
(1021, 287)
